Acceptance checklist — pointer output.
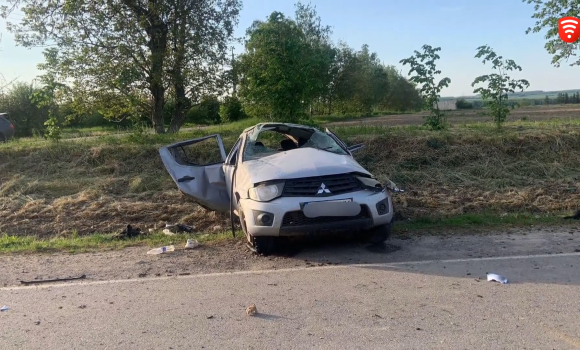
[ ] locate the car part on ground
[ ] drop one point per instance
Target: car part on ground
(281, 180)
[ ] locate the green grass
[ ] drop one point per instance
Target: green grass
(100, 242)
(102, 184)
(475, 223)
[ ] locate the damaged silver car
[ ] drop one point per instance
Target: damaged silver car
(283, 179)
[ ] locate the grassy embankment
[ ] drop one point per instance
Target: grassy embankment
(71, 195)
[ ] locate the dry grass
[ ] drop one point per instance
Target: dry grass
(99, 186)
(526, 168)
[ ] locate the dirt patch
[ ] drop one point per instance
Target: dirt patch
(232, 255)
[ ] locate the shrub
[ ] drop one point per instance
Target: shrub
(206, 112)
(463, 104)
(231, 110)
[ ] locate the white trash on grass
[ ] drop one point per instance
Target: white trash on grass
(168, 232)
(493, 277)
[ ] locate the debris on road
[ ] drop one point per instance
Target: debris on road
(178, 228)
(129, 232)
(161, 250)
(55, 280)
(168, 232)
(251, 310)
(191, 243)
(4, 308)
(209, 317)
(492, 277)
(575, 216)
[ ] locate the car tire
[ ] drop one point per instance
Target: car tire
(263, 245)
(379, 234)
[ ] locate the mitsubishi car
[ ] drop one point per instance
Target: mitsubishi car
(283, 180)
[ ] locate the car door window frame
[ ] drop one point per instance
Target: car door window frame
(231, 159)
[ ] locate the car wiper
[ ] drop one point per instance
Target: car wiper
(322, 148)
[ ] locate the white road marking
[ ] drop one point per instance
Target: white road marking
(257, 272)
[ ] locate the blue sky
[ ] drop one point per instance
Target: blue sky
(394, 29)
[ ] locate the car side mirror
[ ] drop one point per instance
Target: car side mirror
(390, 185)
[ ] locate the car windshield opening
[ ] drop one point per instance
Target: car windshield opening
(270, 140)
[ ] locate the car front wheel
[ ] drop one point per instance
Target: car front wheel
(263, 245)
(379, 234)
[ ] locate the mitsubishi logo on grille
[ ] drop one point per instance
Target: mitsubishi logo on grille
(322, 189)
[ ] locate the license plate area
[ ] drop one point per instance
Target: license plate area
(345, 200)
(338, 207)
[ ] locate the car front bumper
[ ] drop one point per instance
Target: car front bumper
(289, 218)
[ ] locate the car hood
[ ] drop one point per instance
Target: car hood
(297, 163)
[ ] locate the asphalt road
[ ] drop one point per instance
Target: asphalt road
(436, 304)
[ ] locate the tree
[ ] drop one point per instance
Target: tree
(141, 51)
(498, 84)
(566, 98)
(424, 69)
(26, 116)
(47, 97)
(547, 14)
(322, 52)
(547, 100)
(276, 66)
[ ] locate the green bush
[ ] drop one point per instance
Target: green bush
(231, 110)
(206, 112)
(28, 118)
(463, 104)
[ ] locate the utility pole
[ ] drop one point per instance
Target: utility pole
(234, 74)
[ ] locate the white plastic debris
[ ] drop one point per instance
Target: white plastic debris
(168, 232)
(4, 308)
(493, 277)
(191, 243)
(161, 250)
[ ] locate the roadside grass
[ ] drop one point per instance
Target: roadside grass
(100, 242)
(99, 185)
(461, 224)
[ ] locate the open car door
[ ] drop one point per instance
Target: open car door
(351, 149)
(196, 168)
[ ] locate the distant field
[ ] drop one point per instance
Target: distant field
(532, 113)
(529, 95)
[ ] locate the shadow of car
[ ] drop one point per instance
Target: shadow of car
(6, 128)
(283, 180)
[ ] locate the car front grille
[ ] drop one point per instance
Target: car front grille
(297, 218)
(311, 186)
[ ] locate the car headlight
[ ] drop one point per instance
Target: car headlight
(390, 185)
(266, 192)
(370, 183)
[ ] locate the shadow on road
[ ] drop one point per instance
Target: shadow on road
(536, 257)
